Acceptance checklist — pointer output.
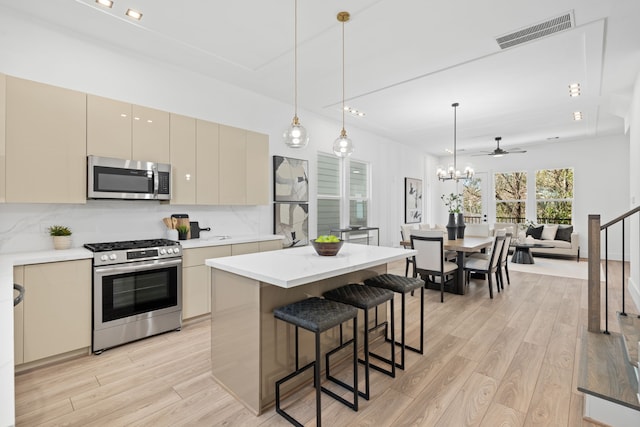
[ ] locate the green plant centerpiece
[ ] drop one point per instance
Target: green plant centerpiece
(453, 202)
(61, 236)
(183, 231)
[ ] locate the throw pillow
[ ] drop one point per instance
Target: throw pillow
(535, 232)
(564, 233)
(549, 232)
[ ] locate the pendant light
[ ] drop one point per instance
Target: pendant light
(452, 172)
(295, 136)
(343, 147)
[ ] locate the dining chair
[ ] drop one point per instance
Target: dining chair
(504, 260)
(430, 262)
(487, 264)
(477, 230)
(405, 236)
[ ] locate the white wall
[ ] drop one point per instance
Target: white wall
(633, 122)
(601, 180)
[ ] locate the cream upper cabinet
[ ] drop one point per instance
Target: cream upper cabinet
(257, 157)
(183, 160)
(57, 308)
(3, 163)
(108, 127)
(233, 166)
(125, 131)
(45, 143)
(150, 135)
(207, 160)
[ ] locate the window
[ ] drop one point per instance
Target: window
(358, 193)
(329, 194)
(335, 207)
(554, 196)
(472, 201)
(511, 196)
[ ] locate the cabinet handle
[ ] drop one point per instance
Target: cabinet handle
(17, 300)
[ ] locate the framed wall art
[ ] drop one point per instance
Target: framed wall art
(291, 220)
(290, 179)
(412, 200)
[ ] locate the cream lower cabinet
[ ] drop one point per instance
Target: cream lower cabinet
(196, 280)
(45, 143)
(18, 320)
(196, 276)
(56, 310)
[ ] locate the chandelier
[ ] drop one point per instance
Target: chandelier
(452, 172)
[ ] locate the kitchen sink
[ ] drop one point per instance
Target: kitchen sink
(217, 237)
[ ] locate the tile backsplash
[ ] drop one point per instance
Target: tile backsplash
(23, 227)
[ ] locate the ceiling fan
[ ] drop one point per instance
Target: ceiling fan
(499, 152)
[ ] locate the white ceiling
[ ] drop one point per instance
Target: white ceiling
(407, 61)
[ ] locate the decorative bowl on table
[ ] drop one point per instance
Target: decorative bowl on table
(327, 248)
(355, 227)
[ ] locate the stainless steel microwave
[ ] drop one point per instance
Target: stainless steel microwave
(109, 178)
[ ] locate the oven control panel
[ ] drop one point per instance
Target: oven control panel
(132, 255)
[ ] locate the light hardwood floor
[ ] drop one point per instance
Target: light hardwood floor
(510, 361)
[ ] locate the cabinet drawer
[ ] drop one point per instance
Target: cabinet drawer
(245, 248)
(270, 245)
(196, 256)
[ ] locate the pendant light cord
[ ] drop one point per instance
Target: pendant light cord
(343, 131)
(295, 60)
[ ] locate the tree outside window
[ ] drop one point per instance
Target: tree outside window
(511, 196)
(554, 196)
(472, 201)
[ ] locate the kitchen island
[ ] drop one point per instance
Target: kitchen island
(250, 349)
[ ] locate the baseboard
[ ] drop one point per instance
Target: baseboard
(634, 291)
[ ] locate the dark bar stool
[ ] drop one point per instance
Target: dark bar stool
(365, 297)
(402, 285)
(318, 315)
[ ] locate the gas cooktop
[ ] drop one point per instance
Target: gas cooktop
(129, 244)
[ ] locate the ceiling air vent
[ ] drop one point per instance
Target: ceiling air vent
(537, 31)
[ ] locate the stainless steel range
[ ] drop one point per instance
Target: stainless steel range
(137, 290)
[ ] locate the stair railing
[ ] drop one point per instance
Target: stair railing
(595, 231)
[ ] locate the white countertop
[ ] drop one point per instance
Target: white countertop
(228, 240)
(288, 268)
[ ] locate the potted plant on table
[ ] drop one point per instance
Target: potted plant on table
(61, 236)
(453, 202)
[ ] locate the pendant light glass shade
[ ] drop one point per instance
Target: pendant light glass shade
(343, 147)
(295, 136)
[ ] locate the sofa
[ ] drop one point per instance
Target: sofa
(562, 237)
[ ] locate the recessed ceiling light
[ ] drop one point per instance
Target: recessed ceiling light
(134, 14)
(105, 3)
(574, 89)
(577, 115)
(353, 111)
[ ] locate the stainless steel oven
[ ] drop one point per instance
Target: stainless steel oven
(137, 290)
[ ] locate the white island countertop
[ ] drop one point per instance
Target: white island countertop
(292, 267)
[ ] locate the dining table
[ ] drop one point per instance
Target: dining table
(462, 246)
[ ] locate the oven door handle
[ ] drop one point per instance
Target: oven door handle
(143, 265)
